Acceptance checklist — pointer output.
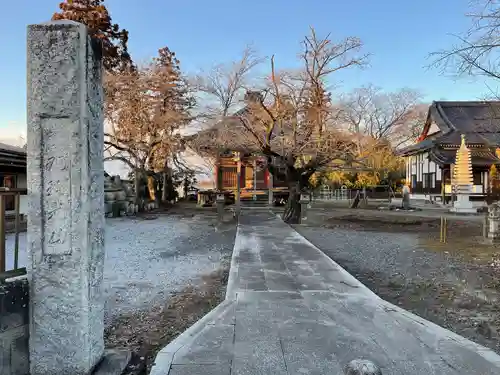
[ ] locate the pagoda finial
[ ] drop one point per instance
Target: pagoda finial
(463, 140)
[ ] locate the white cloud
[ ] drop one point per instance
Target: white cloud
(13, 134)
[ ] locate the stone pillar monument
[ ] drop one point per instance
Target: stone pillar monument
(494, 223)
(406, 198)
(304, 201)
(462, 180)
(220, 201)
(66, 199)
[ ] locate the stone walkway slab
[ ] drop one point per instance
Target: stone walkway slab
(291, 310)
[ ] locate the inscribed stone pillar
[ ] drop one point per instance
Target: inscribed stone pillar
(66, 199)
(494, 223)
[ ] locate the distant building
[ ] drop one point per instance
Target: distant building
(13, 173)
(430, 161)
(231, 149)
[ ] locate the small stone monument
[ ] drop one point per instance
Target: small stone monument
(406, 198)
(494, 223)
(220, 202)
(462, 180)
(304, 201)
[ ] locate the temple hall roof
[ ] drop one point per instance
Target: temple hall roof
(12, 156)
(478, 157)
(479, 121)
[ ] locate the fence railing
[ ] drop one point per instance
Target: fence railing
(345, 194)
(10, 222)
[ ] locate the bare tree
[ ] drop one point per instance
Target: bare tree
(293, 122)
(220, 92)
(222, 88)
(477, 51)
(396, 117)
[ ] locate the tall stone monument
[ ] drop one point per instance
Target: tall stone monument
(462, 180)
(66, 199)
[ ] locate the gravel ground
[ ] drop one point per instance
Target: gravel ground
(146, 332)
(162, 274)
(148, 260)
(459, 293)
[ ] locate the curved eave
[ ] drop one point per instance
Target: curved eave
(416, 148)
(478, 158)
(438, 157)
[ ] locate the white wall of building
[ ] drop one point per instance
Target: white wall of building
(424, 161)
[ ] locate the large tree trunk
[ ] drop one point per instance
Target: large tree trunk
(293, 208)
(297, 181)
(164, 194)
(137, 183)
(151, 188)
(185, 187)
(167, 180)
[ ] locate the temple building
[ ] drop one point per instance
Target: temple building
(256, 182)
(255, 179)
(13, 173)
(430, 161)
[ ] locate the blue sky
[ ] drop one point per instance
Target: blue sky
(399, 35)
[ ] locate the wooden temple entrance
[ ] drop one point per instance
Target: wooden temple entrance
(247, 177)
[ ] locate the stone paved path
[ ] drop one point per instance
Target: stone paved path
(291, 310)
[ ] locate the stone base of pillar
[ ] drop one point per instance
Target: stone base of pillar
(463, 205)
(113, 362)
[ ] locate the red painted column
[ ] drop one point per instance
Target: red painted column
(243, 177)
(216, 176)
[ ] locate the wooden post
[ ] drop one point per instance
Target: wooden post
(443, 229)
(485, 226)
(452, 183)
(218, 174)
(443, 192)
(17, 204)
(238, 183)
(254, 179)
